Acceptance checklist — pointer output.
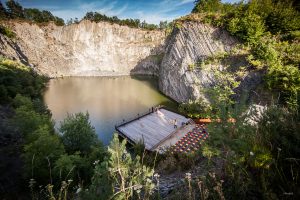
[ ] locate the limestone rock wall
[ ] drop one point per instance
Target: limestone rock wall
(189, 44)
(86, 49)
(100, 49)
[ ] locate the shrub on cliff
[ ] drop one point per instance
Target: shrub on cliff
(15, 10)
(134, 23)
(259, 160)
(17, 78)
(7, 31)
(258, 23)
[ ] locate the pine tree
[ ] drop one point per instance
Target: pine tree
(120, 176)
(3, 13)
(15, 10)
(78, 134)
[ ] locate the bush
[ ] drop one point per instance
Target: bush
(249, 27)
(20, 79)
(7, 32)
(257, 157)
(78, 133)
(196, 109)
(28, 121)
(40, 156)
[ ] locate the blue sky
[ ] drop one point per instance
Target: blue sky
(152, 11)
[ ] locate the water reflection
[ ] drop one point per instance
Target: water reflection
(107, 99)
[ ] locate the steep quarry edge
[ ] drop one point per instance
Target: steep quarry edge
(104, 49)
(185, 76)
(85, 49)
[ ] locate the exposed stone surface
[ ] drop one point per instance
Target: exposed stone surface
(189, 44)
(104, 49)
(86, 49)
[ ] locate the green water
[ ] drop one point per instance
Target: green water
(108, 100)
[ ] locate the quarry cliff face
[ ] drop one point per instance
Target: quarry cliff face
(190, 44)
(100, 49)
(85, 49)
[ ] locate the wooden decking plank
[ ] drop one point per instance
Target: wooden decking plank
(153, 125)
(152, 128)
(135, 132)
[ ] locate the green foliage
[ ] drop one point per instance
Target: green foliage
(44, 16)
(209, 152)
(134, 23)
(285, 79)
(120, 176)
(257, 156)
(7, 32)
(266, 52)
(40, 155)
(45, 160)
(223, 90)
(249, 27)
(207, 6)
(78, 133)
(191, 67)
(163, 24)
(283, 18)
(254, 22)
(178, 162)
(27, 120)
(196, 109)
(3, 13)
(14, 9)
(16, 78)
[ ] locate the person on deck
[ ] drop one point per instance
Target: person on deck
(175, 123)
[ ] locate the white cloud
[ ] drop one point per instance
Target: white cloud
(111, 9)
(104, 7)
(186, 1)
(165, 10)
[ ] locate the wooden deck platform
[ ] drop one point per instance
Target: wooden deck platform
(152, 128)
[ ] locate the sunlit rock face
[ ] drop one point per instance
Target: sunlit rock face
(104, 49)
(87, 49)
(189, 44)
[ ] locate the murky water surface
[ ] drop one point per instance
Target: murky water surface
(108, 100)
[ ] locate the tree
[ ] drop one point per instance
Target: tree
(207, 6)
(163, 24)
(283, 18)
(78, 133)
(3, 13)
(121, 176)
(249, 27)
(15, 10)
(41, 155)
(38, 16)
(28, 121)
(76, 21)
(59, 21)
(3, 94)
(89, 16)
(33, 14)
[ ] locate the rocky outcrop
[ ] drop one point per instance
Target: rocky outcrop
(189, 44)
(86, 49)
(100, 49)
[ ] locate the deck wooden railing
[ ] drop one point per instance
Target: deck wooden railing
(138, 116)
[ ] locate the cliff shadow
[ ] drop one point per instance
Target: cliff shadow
(151, 64)
(18, 55)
